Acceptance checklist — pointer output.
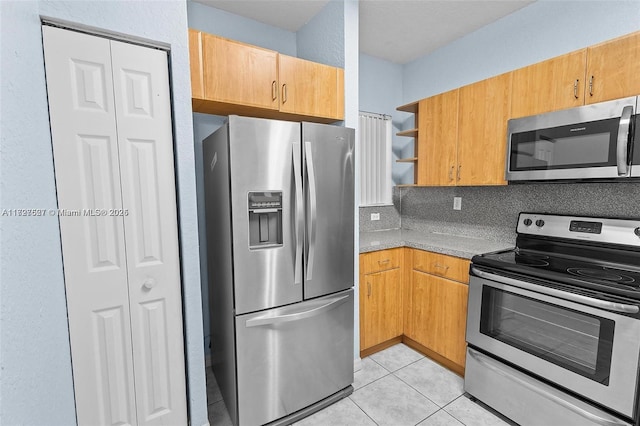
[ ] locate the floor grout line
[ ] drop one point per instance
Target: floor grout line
(362, 409)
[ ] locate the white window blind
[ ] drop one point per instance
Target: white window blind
(375, 159)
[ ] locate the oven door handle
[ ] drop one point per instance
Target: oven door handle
(524, 380)
(590, 301)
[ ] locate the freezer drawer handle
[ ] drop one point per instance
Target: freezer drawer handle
(578, 298)
(483, 360)
(256, 322)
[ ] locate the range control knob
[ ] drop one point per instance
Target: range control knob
(540, 223)
(527, 222)
(637, 231)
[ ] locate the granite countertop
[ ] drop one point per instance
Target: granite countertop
(450, 244)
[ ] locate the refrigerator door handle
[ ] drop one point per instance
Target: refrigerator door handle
(256, 322)
(299, 216)
(313, 209)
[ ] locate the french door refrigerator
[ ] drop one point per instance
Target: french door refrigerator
(279, 202)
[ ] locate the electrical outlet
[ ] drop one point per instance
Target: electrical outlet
(457, 203)
(375, 216)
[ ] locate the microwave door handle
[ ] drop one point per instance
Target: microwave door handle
(622, 151)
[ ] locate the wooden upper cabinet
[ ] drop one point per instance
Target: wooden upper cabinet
(554, 84)
(613, 69)
(195, 62)
(230, 77)
(310, 88)
(482, 131)
(239, 73)
(437, 139)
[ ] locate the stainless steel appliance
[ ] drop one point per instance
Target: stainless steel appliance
(553, 325)
(589, 142)
(280, 235)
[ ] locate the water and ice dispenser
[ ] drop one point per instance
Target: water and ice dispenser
(265, 219)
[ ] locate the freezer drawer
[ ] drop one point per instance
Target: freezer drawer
(291, 357)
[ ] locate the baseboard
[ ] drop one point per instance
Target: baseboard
(380, 346)
(447, 363)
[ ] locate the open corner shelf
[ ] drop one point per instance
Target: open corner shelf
(412, 108)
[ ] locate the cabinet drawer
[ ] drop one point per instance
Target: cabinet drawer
(441, 265)
(380, 261)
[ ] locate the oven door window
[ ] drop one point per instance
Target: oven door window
(571, 339)
(591, 144)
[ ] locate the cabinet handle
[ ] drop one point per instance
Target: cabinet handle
(575, 88)
(451, 172)
(591, 86)
(445, 268)
(368, 289)
(284, 93)
(274, 90)
(459, 167)
(382, 262)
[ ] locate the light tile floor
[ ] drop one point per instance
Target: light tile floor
(395, 387)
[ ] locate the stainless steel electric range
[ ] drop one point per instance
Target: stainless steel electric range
(553, 325)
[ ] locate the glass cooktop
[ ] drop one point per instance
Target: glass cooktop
(606, 276)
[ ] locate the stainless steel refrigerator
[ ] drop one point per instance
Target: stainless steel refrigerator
(280, 229)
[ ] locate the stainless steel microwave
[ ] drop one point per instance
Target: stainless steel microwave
(588, 142)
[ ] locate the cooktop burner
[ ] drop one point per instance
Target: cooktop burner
(605, 274)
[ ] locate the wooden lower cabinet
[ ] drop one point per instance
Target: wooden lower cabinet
(380, 300)
(417, 297)
(381, 316)
(437, 318)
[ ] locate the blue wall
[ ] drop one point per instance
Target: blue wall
(322, 39)
(36, 385)
(542, 30)
(235, 27)
(380, 84)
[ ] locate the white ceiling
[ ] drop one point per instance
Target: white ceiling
(396, 30)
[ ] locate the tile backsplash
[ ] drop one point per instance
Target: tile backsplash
(492, 212)
(389, 218)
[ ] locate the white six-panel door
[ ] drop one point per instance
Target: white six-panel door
(110, 117)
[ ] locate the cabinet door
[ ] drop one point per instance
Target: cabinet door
(85, 152)
(145, 144)
(439, 315)
(381, 308)
(437, 139)
(613, 69)
(309, 88)
(554, 84)
(238, 73)
(482, 131)
(195, 64)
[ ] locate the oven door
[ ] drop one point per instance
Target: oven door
(591, 351)
(593, 141)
